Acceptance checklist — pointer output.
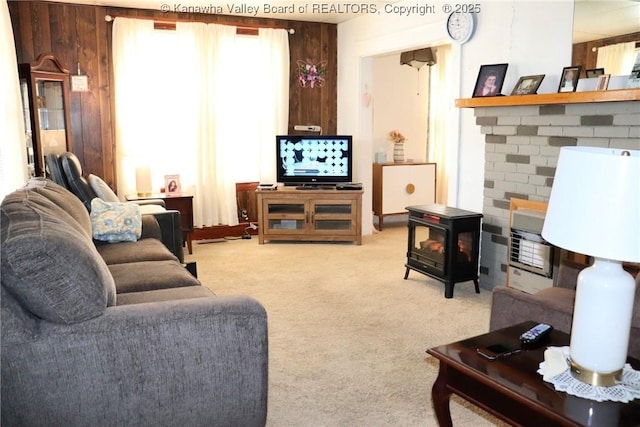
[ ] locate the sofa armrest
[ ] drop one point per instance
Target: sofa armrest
(158, 202)
(170, 223)
(193, 362)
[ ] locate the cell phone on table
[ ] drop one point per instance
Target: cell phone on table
(498, 351)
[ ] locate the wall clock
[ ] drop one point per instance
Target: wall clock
(460, 26)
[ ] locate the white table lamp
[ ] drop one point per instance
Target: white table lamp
(143, 181)
(594, 209)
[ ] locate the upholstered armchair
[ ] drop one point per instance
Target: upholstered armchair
(552, 305)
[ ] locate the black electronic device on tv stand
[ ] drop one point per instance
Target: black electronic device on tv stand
(349, 186)
(316, 187)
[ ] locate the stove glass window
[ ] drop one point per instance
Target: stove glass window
(430, 246)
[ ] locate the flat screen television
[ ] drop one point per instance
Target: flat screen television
(314, 160)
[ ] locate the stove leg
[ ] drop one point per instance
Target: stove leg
(448, 290)
(406, 274)
(475, 281)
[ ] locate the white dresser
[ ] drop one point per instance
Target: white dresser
(398, 185)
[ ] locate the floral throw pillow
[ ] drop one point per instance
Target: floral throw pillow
(115, 221)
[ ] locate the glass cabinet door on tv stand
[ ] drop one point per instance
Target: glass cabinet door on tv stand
(44, 88)
(286, 217)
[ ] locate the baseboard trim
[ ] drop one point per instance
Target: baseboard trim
(221, 231)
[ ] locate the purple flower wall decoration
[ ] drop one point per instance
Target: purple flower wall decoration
(310, 74)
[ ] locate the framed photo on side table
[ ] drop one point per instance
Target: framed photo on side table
(528, 85)
(172, 184)
(569, 78)
(490, 80)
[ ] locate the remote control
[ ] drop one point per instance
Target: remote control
(535, 334)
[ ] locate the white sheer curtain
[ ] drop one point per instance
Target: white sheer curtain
(617, 59)
(211, 77)
(13, 157)
(439, 111)
(134, 118)
(216, 101)
(273, 97)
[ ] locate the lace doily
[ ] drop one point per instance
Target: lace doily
(625, 391)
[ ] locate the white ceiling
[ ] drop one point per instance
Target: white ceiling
(594, 19)
(599, 19)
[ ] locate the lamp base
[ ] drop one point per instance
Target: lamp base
(602, 379)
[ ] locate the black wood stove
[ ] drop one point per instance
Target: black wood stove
(444, 243)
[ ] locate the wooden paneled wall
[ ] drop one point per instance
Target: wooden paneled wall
(585, 55)
(80, 34)
(75, 34)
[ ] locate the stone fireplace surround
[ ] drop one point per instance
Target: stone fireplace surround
(522, 144)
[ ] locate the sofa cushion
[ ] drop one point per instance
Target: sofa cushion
(142, 250)
(150, 275)
(64, 199)
(102, 189)
(169, 294)
(49, 266)
(115, 221)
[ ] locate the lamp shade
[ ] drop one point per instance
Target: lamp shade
(418, 58)
(594, 207)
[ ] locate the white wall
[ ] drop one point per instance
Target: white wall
(533, 37)
(399, 101)
(13, 155)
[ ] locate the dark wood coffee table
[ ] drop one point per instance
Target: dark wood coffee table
(512, 390)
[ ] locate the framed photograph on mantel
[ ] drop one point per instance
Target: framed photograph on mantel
(594, 72)
(528, 85)
(172, 185)
(603, 82)
(569, 78)
(490, 80)
(634, 78)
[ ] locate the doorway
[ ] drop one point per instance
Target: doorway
(406, 99)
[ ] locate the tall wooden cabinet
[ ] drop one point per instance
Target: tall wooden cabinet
(44, 87)
(314, 215)
(398, 185)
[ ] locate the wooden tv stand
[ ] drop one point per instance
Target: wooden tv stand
(310, 215)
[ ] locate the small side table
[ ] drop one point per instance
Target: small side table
(512, 390)
(180, 202)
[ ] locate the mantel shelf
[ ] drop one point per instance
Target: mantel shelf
(551, 98)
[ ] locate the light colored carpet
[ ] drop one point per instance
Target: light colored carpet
(347, 334)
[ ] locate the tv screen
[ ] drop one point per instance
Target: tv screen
(318, 159)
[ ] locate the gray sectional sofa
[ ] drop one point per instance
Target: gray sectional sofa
(117, 334)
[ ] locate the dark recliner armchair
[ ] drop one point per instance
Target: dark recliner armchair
(65, 169)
